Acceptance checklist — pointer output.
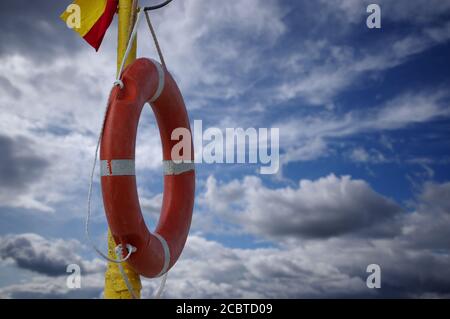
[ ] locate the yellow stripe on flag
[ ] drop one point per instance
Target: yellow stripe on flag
(90, 12)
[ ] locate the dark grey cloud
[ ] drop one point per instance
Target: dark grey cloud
(428, 227)
(30, 252)
(328, 207)
(436, 197)
(414, 273)
(314, 269)
(412, 248)
(19, 164)
(45, 256)
(34, 29)
(44, 287)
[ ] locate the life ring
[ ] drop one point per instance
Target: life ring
(146, 81)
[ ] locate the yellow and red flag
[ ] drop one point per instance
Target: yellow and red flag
(95, 18)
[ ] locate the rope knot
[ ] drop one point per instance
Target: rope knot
(119, 83)
(119, 252)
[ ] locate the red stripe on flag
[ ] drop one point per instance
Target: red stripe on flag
(95, 36)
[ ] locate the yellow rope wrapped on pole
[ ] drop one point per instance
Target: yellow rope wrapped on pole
(115, 286)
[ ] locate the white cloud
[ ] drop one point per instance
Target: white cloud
(207, 269)
(333, 268)
(313, 139)
(253, 273)
(416, 12)
(319, 83)
(59, 116)
(414, 263)
(57, 104)
(361, 155)
(325, 65)
(206, 43)
(43, 287)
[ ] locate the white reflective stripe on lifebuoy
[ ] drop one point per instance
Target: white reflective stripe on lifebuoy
(177, 168)
(166, 254)
(161, 80)
(117, 167)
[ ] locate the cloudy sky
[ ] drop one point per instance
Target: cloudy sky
(363, 116)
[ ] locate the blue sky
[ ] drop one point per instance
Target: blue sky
(364, 122)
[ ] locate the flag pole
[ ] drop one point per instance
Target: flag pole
(115, 287)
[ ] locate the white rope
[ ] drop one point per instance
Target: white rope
(118, 249)
(158, 92)
(88, 216)
(127, 51)
(118, 82)
(119, 252)
(155, 39)
(161, 286)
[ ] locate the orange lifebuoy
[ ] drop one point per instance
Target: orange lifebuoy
(146, 81)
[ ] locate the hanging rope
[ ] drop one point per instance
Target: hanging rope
(119, 252)
(118, 82)
(163, 63)
(119, 249)
(155, 39)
